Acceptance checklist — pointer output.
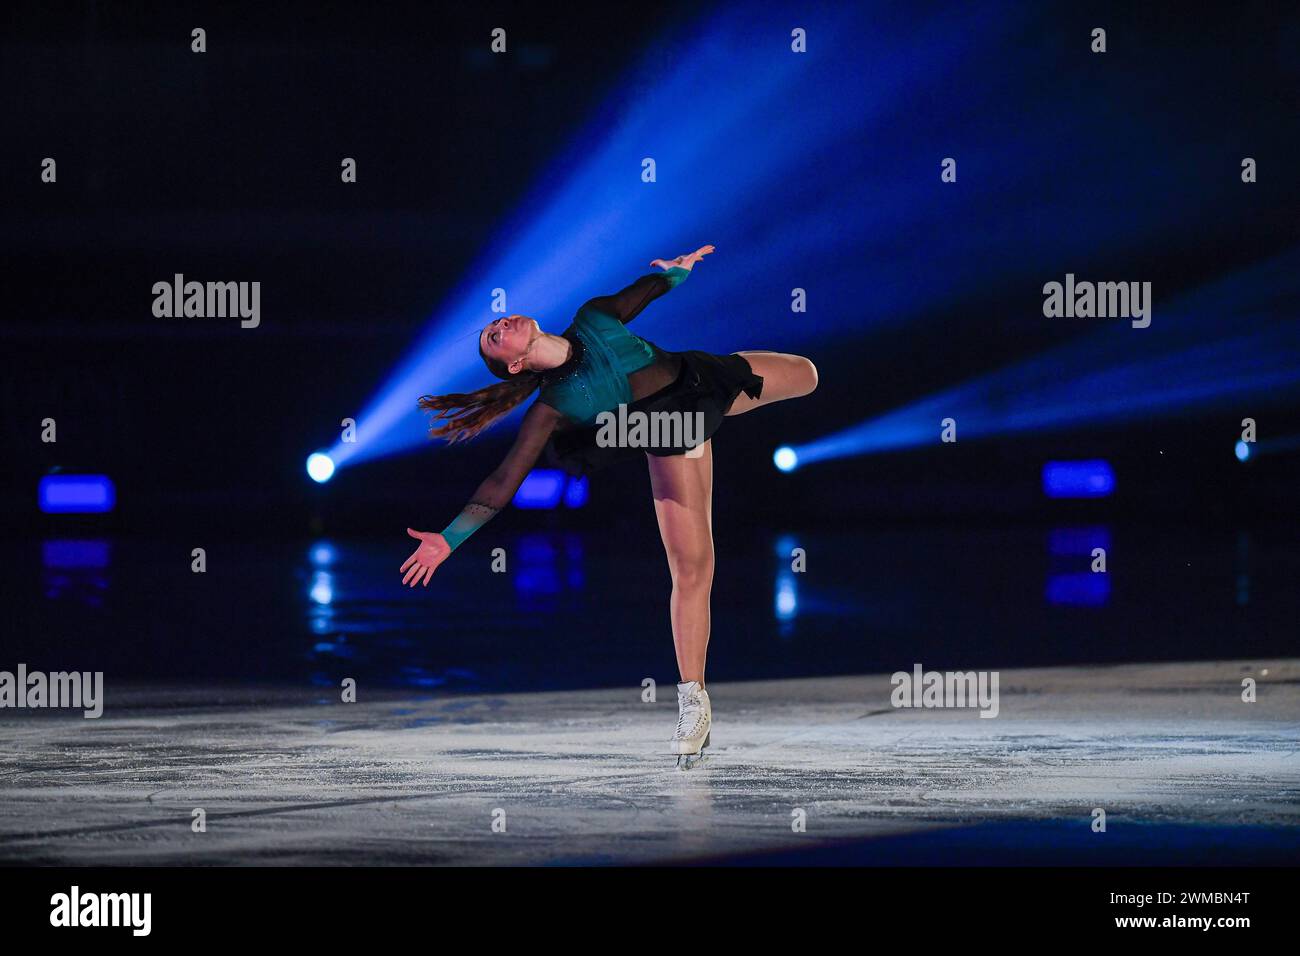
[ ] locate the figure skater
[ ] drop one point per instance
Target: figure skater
(595, 366)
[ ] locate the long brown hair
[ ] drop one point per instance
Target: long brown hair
(466, 414)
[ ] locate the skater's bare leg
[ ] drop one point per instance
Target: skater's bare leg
(683, 495)
(784, 376)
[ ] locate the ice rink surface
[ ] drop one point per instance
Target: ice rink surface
(1184, 769)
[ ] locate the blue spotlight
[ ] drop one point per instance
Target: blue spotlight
(320, 467)
(1229, 340)
(1078, 479)
(76, 494)
(591, 223)
(785, 458)
(1243, 450)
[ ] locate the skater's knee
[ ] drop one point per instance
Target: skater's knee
(693, 569)
(808, 375)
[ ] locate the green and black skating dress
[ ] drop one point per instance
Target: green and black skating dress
(609, 366)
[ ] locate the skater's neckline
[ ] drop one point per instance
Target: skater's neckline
(569, 365)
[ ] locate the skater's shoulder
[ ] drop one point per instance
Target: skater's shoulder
(593, 316)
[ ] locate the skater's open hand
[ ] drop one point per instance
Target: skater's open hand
(683, 262)
(433, 550)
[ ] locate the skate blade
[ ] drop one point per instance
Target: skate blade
(691, 761)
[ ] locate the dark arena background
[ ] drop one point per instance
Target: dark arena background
(1044, 258)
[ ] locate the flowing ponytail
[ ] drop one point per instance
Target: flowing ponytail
(466, 414)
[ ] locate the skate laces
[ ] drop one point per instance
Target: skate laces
(690, 721)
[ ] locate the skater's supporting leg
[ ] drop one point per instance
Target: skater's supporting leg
(784, 376)
(683, 493)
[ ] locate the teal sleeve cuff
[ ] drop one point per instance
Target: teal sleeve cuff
(466, 523)
(455, 537)
(676, 276)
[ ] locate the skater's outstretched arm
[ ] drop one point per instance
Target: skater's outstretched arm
(492, 495)
(627, 304)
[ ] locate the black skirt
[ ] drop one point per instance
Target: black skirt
(707, 384)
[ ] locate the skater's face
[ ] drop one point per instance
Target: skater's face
(506, 340)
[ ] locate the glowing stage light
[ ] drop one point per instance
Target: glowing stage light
(76, 494)
(787, 600)
(1078, 479)
(1267, 447)
(542, 488)
(785, 458)
(320, 467)
(322, 587)
(1082, 589)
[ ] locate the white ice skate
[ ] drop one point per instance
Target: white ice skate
(694, 718)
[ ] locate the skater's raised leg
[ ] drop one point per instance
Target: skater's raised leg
(784, 376)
